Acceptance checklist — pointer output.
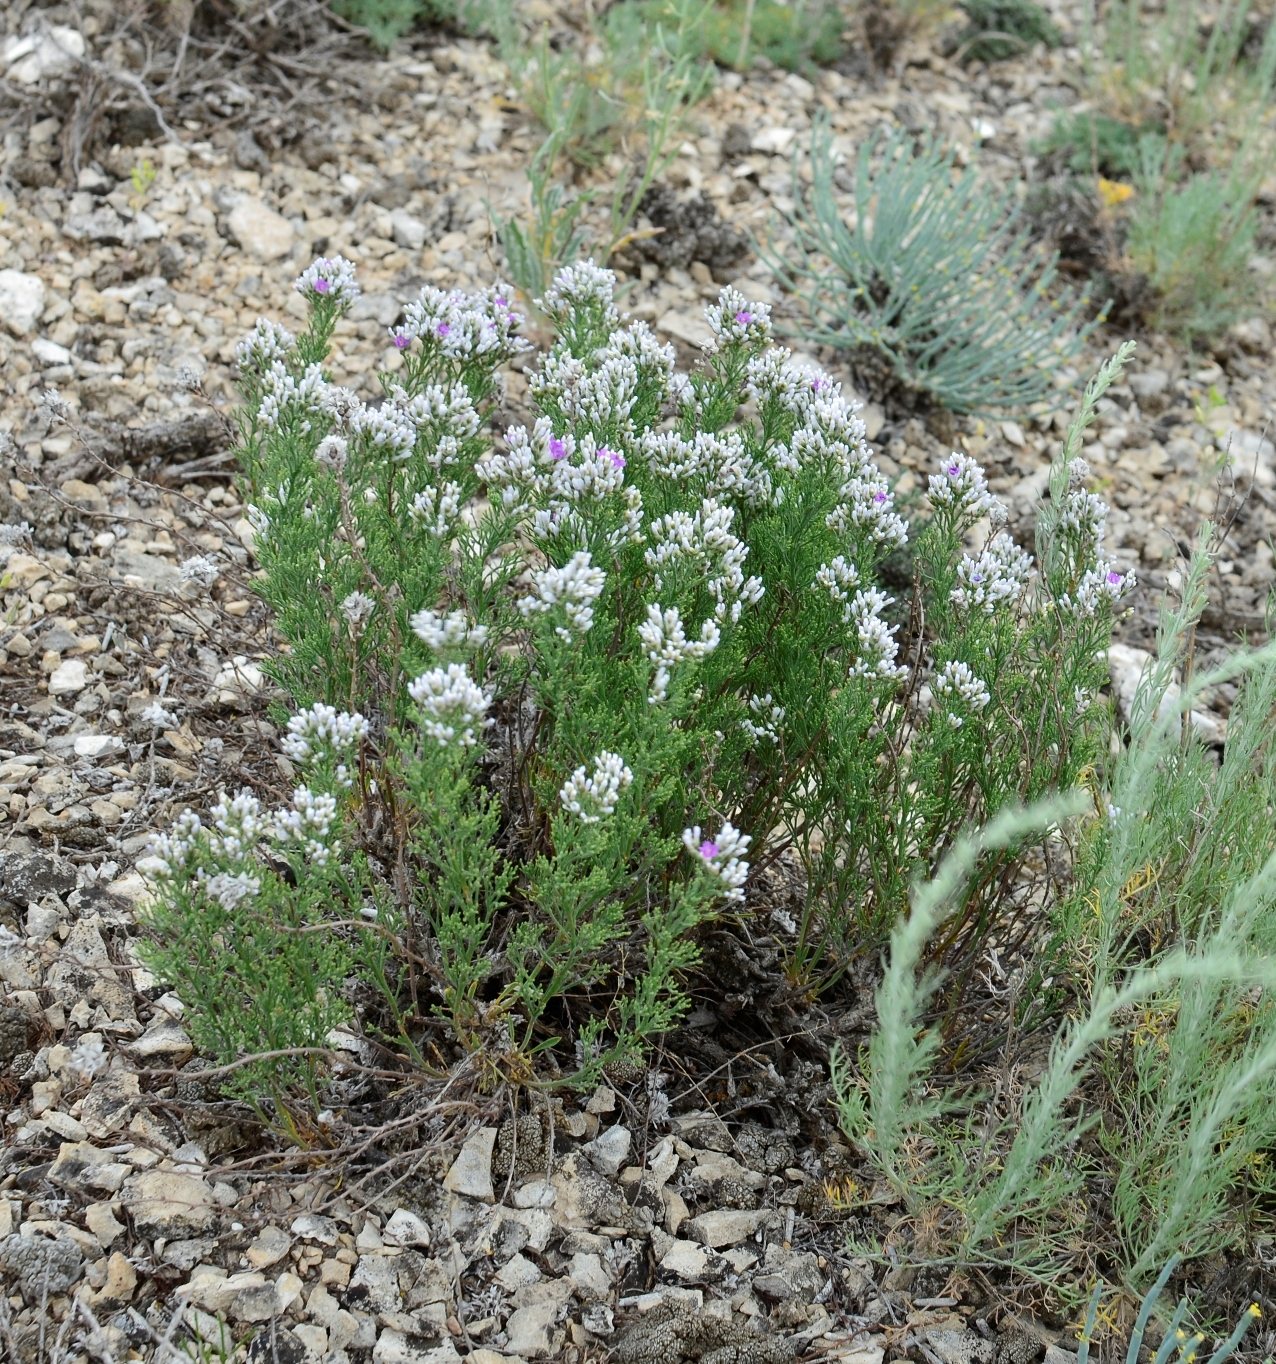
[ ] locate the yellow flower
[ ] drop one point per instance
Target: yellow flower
(1113, 192)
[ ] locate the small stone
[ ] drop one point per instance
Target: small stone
(471, 1172)
(269, 1247)
(311, 1226)
(517, 1272)
(81, 1165)
(773, 141)
(51, 52)
(21, 301)
(727, 1227)
(98, 745)
(101, 1221)
(609, 1150)
(688, 1261)
(69, 677)
(259, 230)
(165, 1203)
(406, 1229)
(528, 1330)
(120, 1285)
(396, 1347)
(165, 1039)
(407, 231)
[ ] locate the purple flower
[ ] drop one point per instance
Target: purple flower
(708, 850)
(402, 341)
(617, 460)
(817, 384)
(744, 317)
(501, 302)
(557, 449)
(321, 285)
(953, 470)
(879, 498)
(1115, 579)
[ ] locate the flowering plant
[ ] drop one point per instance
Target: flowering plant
(614, 665)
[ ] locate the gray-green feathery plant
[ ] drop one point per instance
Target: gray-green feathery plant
(639, 98)
(1176, 1343)
(1161, 1086)
(544, 682)
(933, 271)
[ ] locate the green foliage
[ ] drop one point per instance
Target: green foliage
(571, 668)
(1161, 63)
(386, 21)
(931, 270)
(1162, 961)
(646, 83)
(792, 34)
(1099, 144)
(999, 29)
(1192, 240)
(1176, 1343)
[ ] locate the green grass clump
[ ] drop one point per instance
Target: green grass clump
(931, 269)
(792, 34)
(1192, 240)
(1097, 143)
(1000, 29)
(1157, 1095)
(386, 21)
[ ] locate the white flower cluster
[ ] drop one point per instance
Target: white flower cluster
(599, 395)
(769, 718)
(453, 706)
(332, 453)
(465, 326)
(723, 856)
(720, 459)
(876, 640)
(266, 343)
(199, 570)
(158, 716)
(1100, 586)
(575, 587)
(592, 797)
(958, 685)
(240, 822)
(831, 438)
(453, 631)
(229, 889)
(357, 608)
(15, 533)
(385, 430)
(665, 642)
(170, 853)
(583, 288)
(88, 1056)
(704, 543)
(321, 731)
(309, 822)
(961, 489)
(445, 417)
(841, 581)
(998, 574)
(1083, 514)
(330, 277)
(734, 319)
(283, 397)
(438, 509)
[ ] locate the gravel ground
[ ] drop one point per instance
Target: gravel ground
(135, 1209)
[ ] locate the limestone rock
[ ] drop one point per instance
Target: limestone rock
(21, 301)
